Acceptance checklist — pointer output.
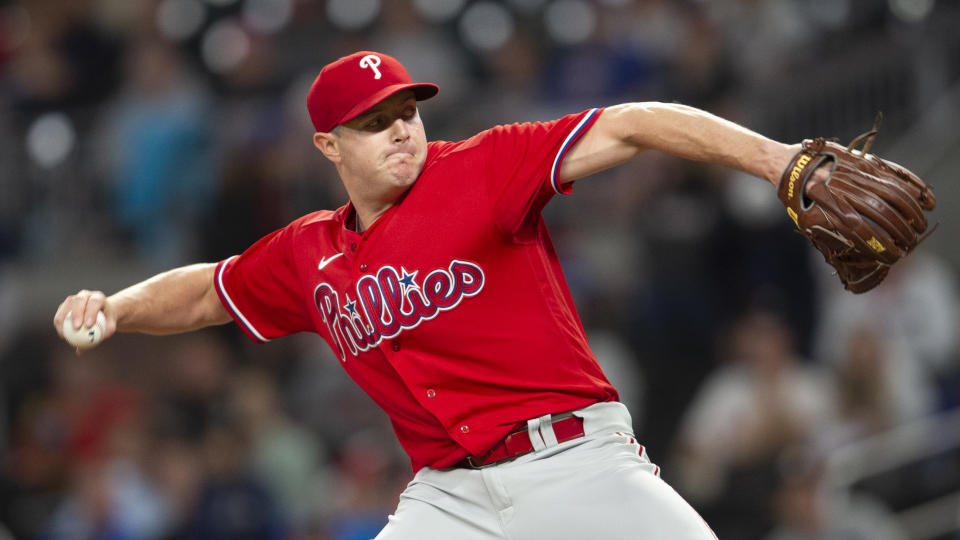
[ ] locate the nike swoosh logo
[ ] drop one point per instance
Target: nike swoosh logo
(325, 261)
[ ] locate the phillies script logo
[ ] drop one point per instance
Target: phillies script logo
(391, 302)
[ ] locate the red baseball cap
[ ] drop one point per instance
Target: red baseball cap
(347, 87)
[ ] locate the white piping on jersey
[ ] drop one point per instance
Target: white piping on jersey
(233, 307)
(571, 138)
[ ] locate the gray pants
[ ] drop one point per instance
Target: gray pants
(599, 486)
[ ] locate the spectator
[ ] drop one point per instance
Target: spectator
(803, 510)
(875, 388)
(285, 457)
(163, 152)
(232, 503)
(763, 400)
(108, 500)
(110, 496)
(369, 477)
(916, 306)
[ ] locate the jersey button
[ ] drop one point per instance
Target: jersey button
(353, 246)
(464, 429)
(395, 345)
(431, 393)
(363, 267)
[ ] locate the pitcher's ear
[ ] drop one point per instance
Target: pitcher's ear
(328, 144)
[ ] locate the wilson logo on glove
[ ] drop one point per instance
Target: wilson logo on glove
(802, 161)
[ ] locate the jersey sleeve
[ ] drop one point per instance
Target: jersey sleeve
(261, 288)
(524, 165)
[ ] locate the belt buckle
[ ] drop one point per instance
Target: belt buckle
(472, 461)
(472, 465)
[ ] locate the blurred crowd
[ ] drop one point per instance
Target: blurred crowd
(144, 134)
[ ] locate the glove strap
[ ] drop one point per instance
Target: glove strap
(790, 191)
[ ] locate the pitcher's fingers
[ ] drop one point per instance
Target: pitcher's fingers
(79, 311)
(74, 306)
(95, 304)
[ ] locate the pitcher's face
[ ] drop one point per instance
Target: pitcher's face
(384, 148)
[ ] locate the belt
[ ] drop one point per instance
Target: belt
(517, 443)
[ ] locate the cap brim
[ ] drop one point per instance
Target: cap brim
(421, 91)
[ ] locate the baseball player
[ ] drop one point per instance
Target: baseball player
(439, 290)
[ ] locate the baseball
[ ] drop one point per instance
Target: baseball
(84, 337)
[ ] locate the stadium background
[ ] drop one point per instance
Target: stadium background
(137, 135)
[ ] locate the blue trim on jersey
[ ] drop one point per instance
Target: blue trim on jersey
(567, 143)
(233, 307)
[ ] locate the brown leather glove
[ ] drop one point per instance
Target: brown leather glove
(864, 215)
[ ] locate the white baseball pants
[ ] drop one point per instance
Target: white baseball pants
(599, 486)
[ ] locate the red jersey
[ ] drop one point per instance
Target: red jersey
(451, 310)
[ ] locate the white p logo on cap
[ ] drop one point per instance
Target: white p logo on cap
(371, 61)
